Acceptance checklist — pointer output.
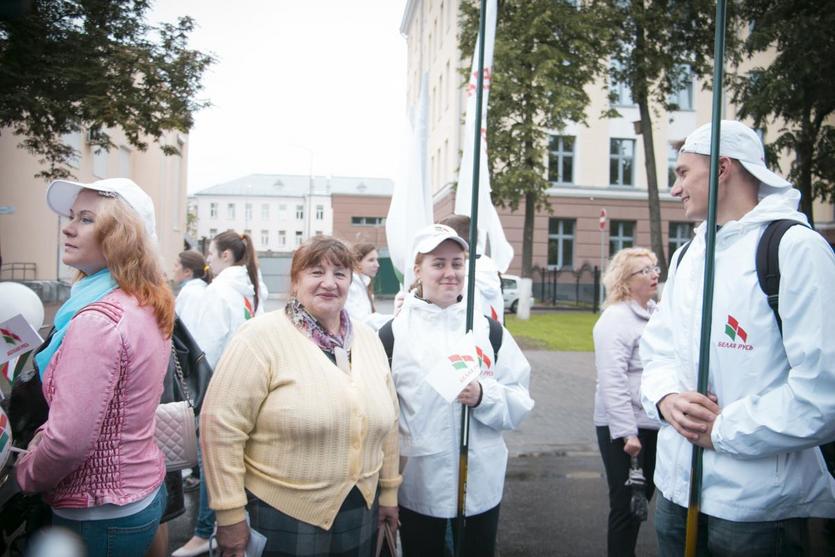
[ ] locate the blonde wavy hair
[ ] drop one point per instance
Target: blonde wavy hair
(621, 268)
(133, 260)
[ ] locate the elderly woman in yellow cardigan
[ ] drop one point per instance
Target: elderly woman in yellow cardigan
(299, 424)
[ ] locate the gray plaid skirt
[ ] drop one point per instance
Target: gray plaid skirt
(353, 533)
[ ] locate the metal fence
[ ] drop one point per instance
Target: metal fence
(568, 288)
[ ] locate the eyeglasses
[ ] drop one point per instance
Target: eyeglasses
(647, 271)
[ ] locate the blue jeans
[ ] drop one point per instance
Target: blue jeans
(726, 538)
(205, 516)
(129, 536)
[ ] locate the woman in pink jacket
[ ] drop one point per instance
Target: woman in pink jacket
(95, 459)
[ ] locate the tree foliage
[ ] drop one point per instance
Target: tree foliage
(546, 53)
(794, 91)
(67, 65)
(657, 46)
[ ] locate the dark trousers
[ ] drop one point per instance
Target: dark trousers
(425, 536)
(725, 538)
(623, 528)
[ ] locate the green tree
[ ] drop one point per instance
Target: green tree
(67, 65)
(656, 48)
(546, 53)
(795, 89)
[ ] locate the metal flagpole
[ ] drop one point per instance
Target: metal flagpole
(692, 532)
(463, 455)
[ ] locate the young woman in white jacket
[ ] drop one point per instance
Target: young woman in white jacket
(192, 274)
(235, 295)
(360, 303)
(426, 331)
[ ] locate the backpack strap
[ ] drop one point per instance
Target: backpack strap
(682, 252)
(768, 263)
(386, 334)
(496, 334)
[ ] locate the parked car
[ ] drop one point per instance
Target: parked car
(510, 293)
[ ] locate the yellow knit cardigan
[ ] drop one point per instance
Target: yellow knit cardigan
(282, 421)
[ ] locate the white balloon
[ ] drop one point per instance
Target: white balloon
(16, 298)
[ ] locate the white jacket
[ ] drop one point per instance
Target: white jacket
(226, 305)
(189, 302)
(430, 427)
(775, 393)
(359, 305)
(617, 397)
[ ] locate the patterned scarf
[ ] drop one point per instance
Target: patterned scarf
(339, 345)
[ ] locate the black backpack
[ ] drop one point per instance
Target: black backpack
(768, 275)
(386, 334)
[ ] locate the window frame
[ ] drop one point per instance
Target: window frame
(560, 154)
(560, 237)
(621, 162)
(620, 238)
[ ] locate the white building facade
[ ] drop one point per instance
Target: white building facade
(278, 211)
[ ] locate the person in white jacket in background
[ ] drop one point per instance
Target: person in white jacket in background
(770, 400)
(426, 331)
(235, 295)
(191, 272)
(623, 429)
(360, 303)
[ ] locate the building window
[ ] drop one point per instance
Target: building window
(248, 232)
(299, 213)
(298, 237)
(125, 169)
(73, 139)
(621, 235)
(368, 221)
(621, 162)
(99, 162)
(265, 211)
(282, 239)
(682, 98)
(213, 210)
(560, 243)
(680, 234)
(212, 233)
(320, 212)
(619, 92)
(282, 209)
(672, 160)
(265, 238)
(561, 159)
(248, 212)
(318, 232)
(230, 211)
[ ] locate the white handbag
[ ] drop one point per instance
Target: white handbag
(176, 432)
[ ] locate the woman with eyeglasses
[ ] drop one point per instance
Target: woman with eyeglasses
(623, 429)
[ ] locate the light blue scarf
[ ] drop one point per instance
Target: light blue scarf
(84, 292)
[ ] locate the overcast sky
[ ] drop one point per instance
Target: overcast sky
(296, 79)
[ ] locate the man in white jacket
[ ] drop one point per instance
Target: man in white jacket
(770, 401)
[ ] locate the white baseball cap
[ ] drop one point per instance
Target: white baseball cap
(430, 237)
(737, 141)
(61, 195)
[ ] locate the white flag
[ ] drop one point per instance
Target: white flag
(489, 225)
(411, 201)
